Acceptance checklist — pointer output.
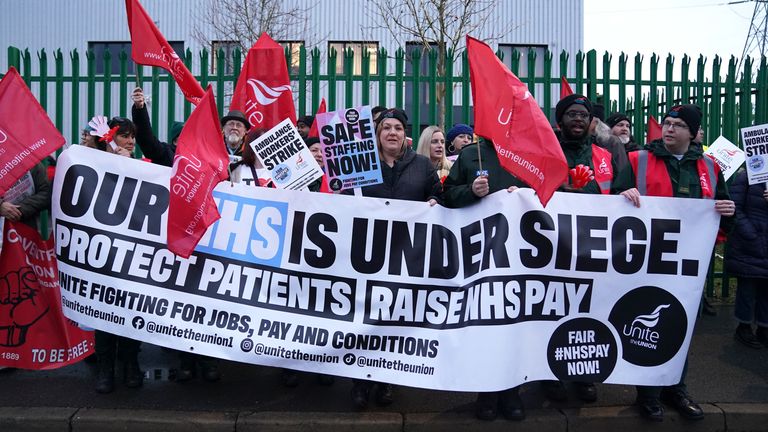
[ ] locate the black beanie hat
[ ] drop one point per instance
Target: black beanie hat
(689, 113)
(598, 110)
(568, 101)
(615, 118)
(393, 113)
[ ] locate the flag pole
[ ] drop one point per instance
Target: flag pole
(479, 158)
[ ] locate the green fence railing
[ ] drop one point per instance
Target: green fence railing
(729, 98)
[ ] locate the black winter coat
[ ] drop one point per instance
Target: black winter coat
(412, 178)
(747, 252)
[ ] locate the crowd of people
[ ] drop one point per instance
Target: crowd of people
(456, 170)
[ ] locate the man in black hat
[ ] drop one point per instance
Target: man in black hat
(621, 127)
(234, 126)
(674, 167)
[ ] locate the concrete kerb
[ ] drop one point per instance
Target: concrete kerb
(627, 419)
(99, 420)
(320, 422)
(745, 417)
(536, 421)
(31, 419)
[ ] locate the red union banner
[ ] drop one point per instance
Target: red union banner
(149, 47)
(27, 135)
(34, 334)
(263, 91)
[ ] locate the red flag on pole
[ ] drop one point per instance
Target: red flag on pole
(313, 129)
(27, 135)
(507, 114)
(263, 91)
(149, 47)
(199, 165)
(565, 88)
(653, 129)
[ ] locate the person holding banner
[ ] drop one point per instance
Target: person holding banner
(407, 176)
(674, 167)
(747, 259)
(26, 198)
(432, 145)
(109, 346)
(477, 173)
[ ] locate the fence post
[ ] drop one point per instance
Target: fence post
(415, 82)
(349, 58)
(622, 100)
(592, 75)
(640, 120)
(315, 53)
(14, 58)
(75, 92)
(606, 80)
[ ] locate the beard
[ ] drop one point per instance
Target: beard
(624, 139)
(233, 139)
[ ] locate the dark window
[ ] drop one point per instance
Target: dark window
(229, 49)
(295, 52)
(524, 50)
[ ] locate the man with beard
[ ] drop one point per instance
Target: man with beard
(591, 171)
(675, 167)
(234, 126)
(621, 127)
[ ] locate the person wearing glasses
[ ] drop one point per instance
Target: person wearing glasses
(674, 167)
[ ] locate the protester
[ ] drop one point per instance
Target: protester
(686, 173)
(234, 126)
(621, 127)
(158, 152)
(88, 140)
(432, 145)
(376, 111)
(747, 259)
(111, 347)
(304, 124)
(465, 185)
(407, 176)
(458, 136)
(27, 197)
(602, 136)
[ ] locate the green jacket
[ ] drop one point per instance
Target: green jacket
(580, 152)
(458, 184)
(683, 174)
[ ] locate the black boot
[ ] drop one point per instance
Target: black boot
(486, 406)
(384, 395)
(290, 378)
(105, 375)
(586, 391)
(210, 369)
(745, 336)
(360, 393)
(187, 367)
(510, 404)
(133, 377)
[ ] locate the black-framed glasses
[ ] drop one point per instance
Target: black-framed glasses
(674, 126)
(573, 115)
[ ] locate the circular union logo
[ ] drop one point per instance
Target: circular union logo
(281, 173)
(756, 163)
(352, 116)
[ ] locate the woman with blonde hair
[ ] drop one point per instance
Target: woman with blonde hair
(432, 145)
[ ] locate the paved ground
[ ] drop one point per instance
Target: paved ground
(730, 380)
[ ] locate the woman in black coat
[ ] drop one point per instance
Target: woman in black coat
(407, 176)
(747, 259)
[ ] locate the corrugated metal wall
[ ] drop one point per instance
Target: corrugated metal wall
(68, 25)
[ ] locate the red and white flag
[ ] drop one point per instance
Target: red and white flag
(149, 47)
(263, 90)
(565, 88)
(313, 129)
(27, 135)
(653, 130)
(199, 165)
(507, 114)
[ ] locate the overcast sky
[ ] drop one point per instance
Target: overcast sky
(694, 27)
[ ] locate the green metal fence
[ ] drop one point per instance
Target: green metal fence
(729, 98)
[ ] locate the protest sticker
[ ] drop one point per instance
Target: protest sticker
(727, 155)
(350, 155)
(589, 289)
(755, 140)
(290, 163)
(34, 334)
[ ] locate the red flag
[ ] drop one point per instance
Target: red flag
(31, 319)
(149, 47)
(507, 114)
(653, 129)
(313, 129)
(565, 88)
(263, 90)
(27, 135)
(199, 165)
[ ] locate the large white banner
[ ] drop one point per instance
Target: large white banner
(475, 299)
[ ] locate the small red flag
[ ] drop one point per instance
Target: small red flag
(565, 88)
(507, 114)
(199, 165)
(653, 130)
(313, 129)
(149, 47)
(27, 135)
(263, 90)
